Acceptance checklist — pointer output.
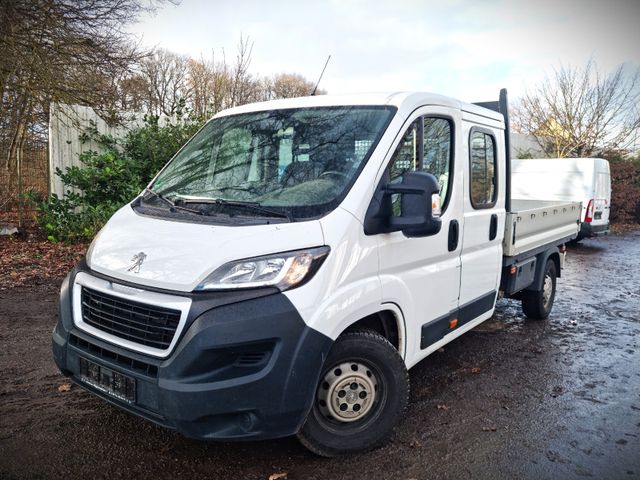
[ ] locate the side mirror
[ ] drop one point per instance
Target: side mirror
(415, 217)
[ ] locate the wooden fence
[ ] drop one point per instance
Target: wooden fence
(31, 175)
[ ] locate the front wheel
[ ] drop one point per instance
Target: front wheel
(362, 395)
(537, 304)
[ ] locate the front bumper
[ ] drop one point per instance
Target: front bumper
(246, 367)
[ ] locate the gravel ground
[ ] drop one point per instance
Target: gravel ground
(511, 399)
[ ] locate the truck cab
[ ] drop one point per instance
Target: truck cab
(294, 259)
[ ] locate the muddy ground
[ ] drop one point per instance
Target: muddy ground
(557, 399)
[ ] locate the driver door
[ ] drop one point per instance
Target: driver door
(422, 275)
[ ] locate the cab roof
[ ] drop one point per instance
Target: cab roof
(405, 102)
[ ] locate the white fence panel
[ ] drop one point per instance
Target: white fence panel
(67, 123)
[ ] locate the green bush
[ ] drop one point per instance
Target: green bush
(625, 190)
(109, 178)
(149, 147)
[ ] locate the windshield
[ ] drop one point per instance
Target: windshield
(298, 161)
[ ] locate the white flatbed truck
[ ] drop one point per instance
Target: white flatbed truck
(295, 258)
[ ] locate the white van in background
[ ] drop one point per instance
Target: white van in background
(570, 179)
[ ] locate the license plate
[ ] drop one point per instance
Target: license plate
(108, 381)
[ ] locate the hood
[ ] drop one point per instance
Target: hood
(178, 255)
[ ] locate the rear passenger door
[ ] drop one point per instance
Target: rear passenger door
(484, 217)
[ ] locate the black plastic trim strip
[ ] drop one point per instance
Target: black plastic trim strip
(437, 329)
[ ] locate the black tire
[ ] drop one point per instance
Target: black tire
(381, 370)
(537, 305)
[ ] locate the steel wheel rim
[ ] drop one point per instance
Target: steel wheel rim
(547, 290)
(347, 392)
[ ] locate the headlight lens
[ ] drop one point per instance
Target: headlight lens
(283, 270)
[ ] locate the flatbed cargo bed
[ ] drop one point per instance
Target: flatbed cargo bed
(535, 223)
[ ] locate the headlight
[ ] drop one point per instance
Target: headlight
(283, 271)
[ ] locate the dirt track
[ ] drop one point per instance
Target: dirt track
(556, 399)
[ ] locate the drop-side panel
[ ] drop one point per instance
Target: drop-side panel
(533, 223)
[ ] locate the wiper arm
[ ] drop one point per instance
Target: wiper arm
(256, 207)
(171, 204)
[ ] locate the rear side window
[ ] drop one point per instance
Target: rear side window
(483, 166)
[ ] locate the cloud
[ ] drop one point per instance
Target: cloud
(463, 48)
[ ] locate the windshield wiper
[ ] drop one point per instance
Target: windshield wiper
(254, 206)
(171, 204)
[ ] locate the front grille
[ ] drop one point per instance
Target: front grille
(137, 322)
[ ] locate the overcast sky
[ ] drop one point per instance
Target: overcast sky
(467, 49)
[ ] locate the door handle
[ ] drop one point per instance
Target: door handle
(493, 227)
(454, 233)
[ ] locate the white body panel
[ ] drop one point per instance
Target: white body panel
(565, 179)
(346, 288)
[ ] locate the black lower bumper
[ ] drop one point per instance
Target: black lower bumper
(241, 370)
(588, 230)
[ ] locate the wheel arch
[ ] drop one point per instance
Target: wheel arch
(388, 321)
(550, 254)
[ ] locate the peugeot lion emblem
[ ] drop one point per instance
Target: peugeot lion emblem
(137, 260)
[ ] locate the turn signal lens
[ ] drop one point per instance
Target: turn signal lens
(436, 209)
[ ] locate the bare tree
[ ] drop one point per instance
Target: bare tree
(288, 85)
(245, 88)
(200, 82)
(216, 84)
(169, 84)
(60, 50)
(133, 93)
(579, 113)
(212, 86)
(166, 76)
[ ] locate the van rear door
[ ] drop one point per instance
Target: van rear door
(602, 193)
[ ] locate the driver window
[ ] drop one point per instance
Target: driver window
(406, 155)
(426, 146)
